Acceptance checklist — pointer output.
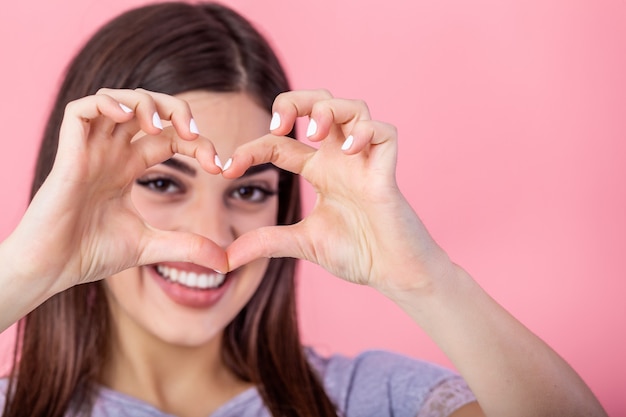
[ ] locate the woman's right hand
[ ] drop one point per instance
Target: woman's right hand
(81, 226)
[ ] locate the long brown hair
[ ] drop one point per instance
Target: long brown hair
(62, 345)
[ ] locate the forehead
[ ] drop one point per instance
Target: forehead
(227, 119)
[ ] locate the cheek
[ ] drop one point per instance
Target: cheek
(252, 275)
(156, 215)
(123, 286)
(244, 221)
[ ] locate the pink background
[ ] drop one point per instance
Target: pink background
(512, 121)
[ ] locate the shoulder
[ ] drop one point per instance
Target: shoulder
(379, 382)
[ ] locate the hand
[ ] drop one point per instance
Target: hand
(361, 227)
(81, 225)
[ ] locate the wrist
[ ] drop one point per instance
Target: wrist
(424, 295)
(421, 276)
(23, 287)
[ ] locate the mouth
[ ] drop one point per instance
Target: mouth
(191, 285)
(206, 280)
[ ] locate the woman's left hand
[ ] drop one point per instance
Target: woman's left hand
(361, 227)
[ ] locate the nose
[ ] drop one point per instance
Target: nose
(207, 217)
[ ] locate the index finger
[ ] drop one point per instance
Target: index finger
(150, 108)
(290, 105)
(155, 149)
(281, 151)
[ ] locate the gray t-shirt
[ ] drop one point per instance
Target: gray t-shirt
(374, 383)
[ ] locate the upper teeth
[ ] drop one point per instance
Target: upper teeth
(191, 279)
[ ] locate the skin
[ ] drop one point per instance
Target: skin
(361, 229)
(163, 352)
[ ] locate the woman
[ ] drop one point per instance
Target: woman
(142, 264)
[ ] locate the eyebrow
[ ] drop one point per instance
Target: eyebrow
(257, 169)
(191, 171)
(180, 166)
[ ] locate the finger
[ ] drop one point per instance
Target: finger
(293, 104)
(142, 106)
(156, 149)
(266, 242)
(170, 246)
(284, 152)
(326, 113)
(151, 109)
(369, 132)
(80, 115)
(106, 125)
(177, 111)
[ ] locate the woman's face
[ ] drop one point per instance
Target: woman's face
(185, 304)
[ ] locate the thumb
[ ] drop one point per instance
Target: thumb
(171, 246)
(266, 242)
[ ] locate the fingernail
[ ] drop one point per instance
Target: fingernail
(347, 143)
(218, 162)
(275, 121)
(312, 129)
(193, 127)
(156, 121)
(228, 164)
(126, 108)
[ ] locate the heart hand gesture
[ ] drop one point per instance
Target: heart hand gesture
(361, 227)
(85, 224)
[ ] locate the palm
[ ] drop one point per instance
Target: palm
(342, 238)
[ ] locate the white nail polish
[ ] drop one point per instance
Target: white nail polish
(312, 129)
(348, 143)
(218, 162)
(126, 108)
(275, 123)
(156, 121)
(228, 164)
(193, 127)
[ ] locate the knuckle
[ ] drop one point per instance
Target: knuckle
(144, 95)
(71, 107)
(103, 91)
(363, 127)
(323, 92)
(196, 244)
(362, 104)
(280, 98)
(182, 106)
(264, 242)
(319, 107)
(282, 95)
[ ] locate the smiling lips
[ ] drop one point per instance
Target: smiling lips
(197, 280)
(191, 285)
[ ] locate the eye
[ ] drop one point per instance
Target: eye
(252, 193)
(160, 184)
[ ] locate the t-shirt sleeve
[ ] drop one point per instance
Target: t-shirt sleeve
(446, 398)
(379, 383)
